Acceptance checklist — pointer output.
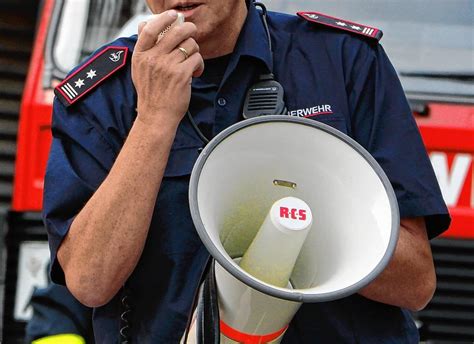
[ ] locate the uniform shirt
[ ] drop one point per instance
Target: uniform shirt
(330, 76)
(56, 311)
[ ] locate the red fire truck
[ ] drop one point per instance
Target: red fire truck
(431, 45)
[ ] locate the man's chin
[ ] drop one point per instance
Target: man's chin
(203, 33)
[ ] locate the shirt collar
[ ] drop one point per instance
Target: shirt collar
(253, 39)
(252, 42)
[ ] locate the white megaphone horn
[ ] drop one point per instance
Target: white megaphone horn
(292, 211)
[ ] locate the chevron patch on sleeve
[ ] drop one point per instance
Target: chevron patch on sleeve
(91, 74)
(360, 29)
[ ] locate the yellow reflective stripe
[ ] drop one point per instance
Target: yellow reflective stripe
(60, 339)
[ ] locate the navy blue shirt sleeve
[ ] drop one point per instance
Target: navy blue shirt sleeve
(79, 161)
(87, 138)
(383, 123)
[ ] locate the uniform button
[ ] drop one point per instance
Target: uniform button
(222, 102)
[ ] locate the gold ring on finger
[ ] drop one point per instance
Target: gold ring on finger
(184, 52)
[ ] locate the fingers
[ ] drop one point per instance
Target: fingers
(176, 36)
(191, 48)
(199, 70)
(148, 33)
(195, 64)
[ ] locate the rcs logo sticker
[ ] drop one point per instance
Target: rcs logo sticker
(293, 213)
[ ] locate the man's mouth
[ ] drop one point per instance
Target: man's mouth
(187, 7)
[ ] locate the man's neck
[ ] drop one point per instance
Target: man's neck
(224, 38)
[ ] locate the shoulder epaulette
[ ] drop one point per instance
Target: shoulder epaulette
(91, 74)
(341, 24)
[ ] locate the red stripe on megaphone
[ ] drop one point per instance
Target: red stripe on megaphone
(245, 338)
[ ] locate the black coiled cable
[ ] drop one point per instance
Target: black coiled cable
(125, 318)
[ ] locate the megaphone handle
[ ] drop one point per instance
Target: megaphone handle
(206, 308)
(208, 321)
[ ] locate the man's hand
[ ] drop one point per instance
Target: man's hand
(160, 71)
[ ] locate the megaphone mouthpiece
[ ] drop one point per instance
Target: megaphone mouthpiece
(272, 255)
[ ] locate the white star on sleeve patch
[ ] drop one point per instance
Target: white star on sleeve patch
(79, 83)
(341, 23)
(91, 74)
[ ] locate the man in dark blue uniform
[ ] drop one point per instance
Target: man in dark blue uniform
(116, 193)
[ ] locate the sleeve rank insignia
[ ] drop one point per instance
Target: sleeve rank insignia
(326, 20)
(91, 74)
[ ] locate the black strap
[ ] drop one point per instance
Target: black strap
(196, 299)
(208, 321)
(207, 309)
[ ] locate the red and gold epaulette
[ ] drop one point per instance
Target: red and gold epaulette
(91, 74)
(323, 19)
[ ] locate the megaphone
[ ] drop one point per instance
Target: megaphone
(237, 188)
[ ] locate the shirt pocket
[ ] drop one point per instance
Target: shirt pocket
(181, 161)
(184, 152)
(172, 231)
